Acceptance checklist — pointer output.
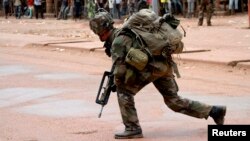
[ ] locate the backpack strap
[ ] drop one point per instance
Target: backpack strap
(136, 38)
(131, 33)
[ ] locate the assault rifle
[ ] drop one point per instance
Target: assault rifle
(105, 88)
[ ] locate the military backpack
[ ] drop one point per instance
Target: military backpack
(156, 34)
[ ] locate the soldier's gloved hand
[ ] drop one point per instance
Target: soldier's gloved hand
(113, 88)
(107, 46)
(107, 51)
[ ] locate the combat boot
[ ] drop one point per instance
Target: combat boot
(218, 113)
(209, 24)
(129, 133)
(200, 22)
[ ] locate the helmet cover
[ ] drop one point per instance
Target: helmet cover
(102, 21)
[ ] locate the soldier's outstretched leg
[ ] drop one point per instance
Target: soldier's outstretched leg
(168, 88)
(129, 117)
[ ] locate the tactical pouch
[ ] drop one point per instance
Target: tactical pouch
(119, 73)
(137, 58)
(130, 77)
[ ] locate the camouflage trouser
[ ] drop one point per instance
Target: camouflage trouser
(91, 8)
(168, 88)
(206, 6)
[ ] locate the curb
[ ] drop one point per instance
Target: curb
(58, 47)
(101, 50)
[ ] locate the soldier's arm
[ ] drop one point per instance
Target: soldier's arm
(118, 52)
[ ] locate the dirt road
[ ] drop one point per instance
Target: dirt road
(47, 93)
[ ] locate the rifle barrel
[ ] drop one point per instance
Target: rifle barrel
(100, 114)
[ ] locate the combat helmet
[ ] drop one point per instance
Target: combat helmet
(101, 22)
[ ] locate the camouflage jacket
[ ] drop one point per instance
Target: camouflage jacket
(129, 79)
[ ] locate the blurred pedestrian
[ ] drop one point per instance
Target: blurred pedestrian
(233, 6)
(111, 7)
(124, 7)
(77, 9)
(6, 7)
(131, 6)
(206, 6)
(38, 8)
(91, 8)
(18, 8)
(142, 4)
(30, 8)
(166, 6)
(190, 8)
(64, 5)
(68, 10)
(155, 6)
(177, 7)
(117, 6)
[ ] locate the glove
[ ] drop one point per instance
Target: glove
(107, 51)
(107, 46)
(113, 88)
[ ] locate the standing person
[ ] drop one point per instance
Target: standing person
(77, 9)
(38, 8)
(124, 7)
(100, 4)
(155, 6)
(117, 6)
(6, 7)
(190, 10)
(142, 4)
(31, 8)
(111, 7)
(166, 5)
(233, 6)
(64, 5)
(18, 8)
(129, 80)
(177, 7)
(131, 7)
(68, 10)
(57, 4)
(106, 5)
(43, 5)
(91, 8)
(206, 6)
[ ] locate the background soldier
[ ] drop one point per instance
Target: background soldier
(91, 8)
(6, 6)
(206, 6)
(130, 81)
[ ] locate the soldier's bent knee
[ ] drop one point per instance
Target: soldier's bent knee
(125, 99)
(176, 103)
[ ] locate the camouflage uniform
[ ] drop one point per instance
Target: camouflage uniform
(206, 6)
(129, 81)
(91, 8)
